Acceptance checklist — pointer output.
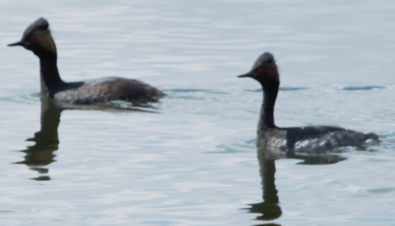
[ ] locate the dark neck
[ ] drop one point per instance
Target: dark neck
(270, 90)
(50, 78)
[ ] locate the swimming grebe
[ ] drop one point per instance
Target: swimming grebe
(302, 140)
(37, 38)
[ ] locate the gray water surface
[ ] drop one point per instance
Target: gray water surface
(191, 158)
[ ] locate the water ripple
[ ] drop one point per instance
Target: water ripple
(353, 88)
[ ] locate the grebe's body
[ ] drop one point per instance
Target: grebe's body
(37, 38)
(102, 90)
(297, 140)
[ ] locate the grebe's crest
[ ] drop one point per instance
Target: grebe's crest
(39, 32)
(267, 61)
(265, 58)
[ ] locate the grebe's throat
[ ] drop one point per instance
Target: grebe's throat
(270, 90)
(49, 76)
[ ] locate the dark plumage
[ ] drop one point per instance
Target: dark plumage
(37, 38)
(297, 140)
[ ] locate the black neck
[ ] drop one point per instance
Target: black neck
(50, 77)
(270, 90)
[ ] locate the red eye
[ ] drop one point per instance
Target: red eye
(31, 38)
(259, 70)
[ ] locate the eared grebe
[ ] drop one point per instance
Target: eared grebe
(295, 140)
(37, 38)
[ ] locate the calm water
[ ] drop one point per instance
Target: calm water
(191, 159)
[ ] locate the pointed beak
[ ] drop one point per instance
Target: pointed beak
(249, 74)
(20, 43)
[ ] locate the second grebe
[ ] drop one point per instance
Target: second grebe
(311, 139)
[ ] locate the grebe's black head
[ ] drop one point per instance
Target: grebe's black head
(264, 69)
(37, 38)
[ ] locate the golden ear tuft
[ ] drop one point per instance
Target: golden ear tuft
(44, 38)
(274, 71)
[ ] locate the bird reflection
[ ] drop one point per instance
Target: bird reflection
(46, 140)
(270, 209)
(41, 154)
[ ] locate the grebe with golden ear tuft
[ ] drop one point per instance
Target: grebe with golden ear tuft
(37, 38)
(295, 140)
